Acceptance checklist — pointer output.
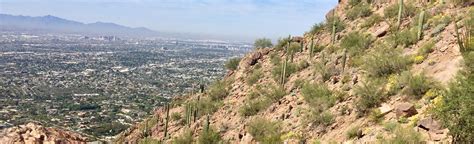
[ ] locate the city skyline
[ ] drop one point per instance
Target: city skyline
(244, 19)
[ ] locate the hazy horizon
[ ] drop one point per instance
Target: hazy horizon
(243, 19)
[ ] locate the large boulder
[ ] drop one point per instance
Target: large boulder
(405, 110)
(429, 124)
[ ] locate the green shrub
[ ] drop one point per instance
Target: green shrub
(148, 140)
(282, 42)
(438, 29)
(403, 136)
(340, 26)
(456, 108)
(318, 48)
(275, 59)
(426, 48)
(391, 126)
(375, 116)
(384, 61)
(372, 20)
(416, 85)
(277, 70)
(409, 10)
(207, 106)
(255, 75)
(294, 47)
(175, 116)
(317, 117)
(370, 94)
(404, 38)
(317, 28)
(264, 131)
(354, 132)
(354, 2)
(302, 65)
(263, 43)
(232, 64)
(325, 71)
(185, 138)
(218, 90)
(356, 43)
(260, 99)
(358, 11)
(318, 96)
(210, 136)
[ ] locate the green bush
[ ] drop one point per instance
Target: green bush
(372, 20)
(354, 132)
(175, 116)
(261, 99)
(354, 2)
(384, 61)
(403, 136)
(416, 85)
(317, 28)
(264, 130)
(210, 136)
(277, 70)
(263, 43)
(356, 43)
(232, 64)
(456, 109)
(207, 106)
(426, 48)
(275, 59)
(185, 138)
(409, 10)
(148, 140)
(218, 90)
(317, 117)
(254, 76)
(282, 42)
(340, 26)
(404, 38)
(318, 96)
(325, 71)
(370, 94)
(358, 11)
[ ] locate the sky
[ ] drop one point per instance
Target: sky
(248, 19)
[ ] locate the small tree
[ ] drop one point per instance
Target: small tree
(263, 43)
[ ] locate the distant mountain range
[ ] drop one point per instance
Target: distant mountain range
(55, 24)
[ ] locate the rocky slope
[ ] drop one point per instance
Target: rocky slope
(398, 114)
(33, 133)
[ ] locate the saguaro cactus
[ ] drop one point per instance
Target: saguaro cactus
(333, 33)
(400, 13)
(420, 24)
(207, 125)
(167, 120)
(458, 36)
(344, 58)
(285, 63)
(311, 47)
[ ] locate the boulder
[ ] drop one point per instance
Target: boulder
(385, 108)
(429, 124)
(382, 30)
(405, 110)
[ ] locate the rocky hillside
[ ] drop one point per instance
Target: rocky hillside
(33, 133)
(379, 71)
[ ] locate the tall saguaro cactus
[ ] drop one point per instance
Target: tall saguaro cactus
(207, 124)
(167, 120)
(420, 24)
(458, 36)
(344, 58)
(311, 48)
(400, 13)
(285, 63)
(333, 33)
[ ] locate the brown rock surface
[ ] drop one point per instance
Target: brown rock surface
(405, 110)
(33, 133)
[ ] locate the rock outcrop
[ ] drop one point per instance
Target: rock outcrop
(33, 133)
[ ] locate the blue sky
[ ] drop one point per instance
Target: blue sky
(243, 18)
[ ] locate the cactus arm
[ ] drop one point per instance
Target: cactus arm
(167, 120)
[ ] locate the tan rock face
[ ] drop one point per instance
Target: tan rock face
(405, 110)
(33, 133)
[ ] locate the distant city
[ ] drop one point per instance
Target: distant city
(100, 85)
